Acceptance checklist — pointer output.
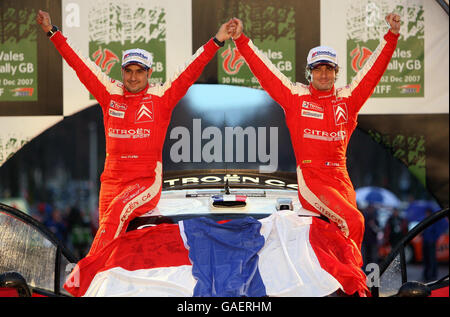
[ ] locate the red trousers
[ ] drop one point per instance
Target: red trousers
(122, 201)
(330, 192)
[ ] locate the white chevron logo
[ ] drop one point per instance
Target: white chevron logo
(340, 113)
(144, 114)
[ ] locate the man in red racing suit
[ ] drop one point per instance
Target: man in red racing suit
(321, 120)
(135, 121)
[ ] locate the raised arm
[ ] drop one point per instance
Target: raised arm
(176, 87)
(98, 83)
(368, 77)
(43, 18)
(272, 80)
(394, 22)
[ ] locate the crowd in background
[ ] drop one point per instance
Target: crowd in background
(74, 227)
(376, 234)
(380, 239)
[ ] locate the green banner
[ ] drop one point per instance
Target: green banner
(116, 28)
(404, 76)
(18, 55)
(271, 27)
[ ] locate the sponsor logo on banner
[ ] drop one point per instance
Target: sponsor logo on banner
(105, 59)
(340, 113)
(409, 89)
(23, 92)
(359, 56)
(404, 76)
(18, 56)
(232, 60)
(135, 24)
(271, 27)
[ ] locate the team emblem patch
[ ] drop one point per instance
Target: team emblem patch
(144, 113)
(340, 113)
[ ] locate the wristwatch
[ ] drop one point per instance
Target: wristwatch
(221, 44)
(52, 31)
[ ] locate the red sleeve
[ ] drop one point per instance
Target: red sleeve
(176, 87)
(98, 83)
(272, 80)
(365, 81)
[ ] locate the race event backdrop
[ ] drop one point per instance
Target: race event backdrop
(408, 112)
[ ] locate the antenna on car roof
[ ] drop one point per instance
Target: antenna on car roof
(227, 187)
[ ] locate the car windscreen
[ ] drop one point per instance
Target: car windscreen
(28, 249)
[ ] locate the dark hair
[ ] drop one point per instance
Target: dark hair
(309, 69)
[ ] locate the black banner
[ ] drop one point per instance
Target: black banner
(418, 141)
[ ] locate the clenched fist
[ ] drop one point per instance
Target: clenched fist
(43, 18)
(394, 22)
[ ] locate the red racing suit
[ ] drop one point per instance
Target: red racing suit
(135, 129)
(320, 125)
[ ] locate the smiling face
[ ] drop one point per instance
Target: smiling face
(323, 77)
(135, 77)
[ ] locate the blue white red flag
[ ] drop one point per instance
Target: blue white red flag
(281, 255)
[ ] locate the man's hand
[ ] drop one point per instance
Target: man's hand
(394, 22)
(236, 28)
(43, 18)
(224, 32)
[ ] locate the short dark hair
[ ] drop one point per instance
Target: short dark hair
(309, 69)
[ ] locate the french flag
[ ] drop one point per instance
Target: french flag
(281, 255)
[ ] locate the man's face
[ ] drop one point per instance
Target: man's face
(135, 78)
(323, 77)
